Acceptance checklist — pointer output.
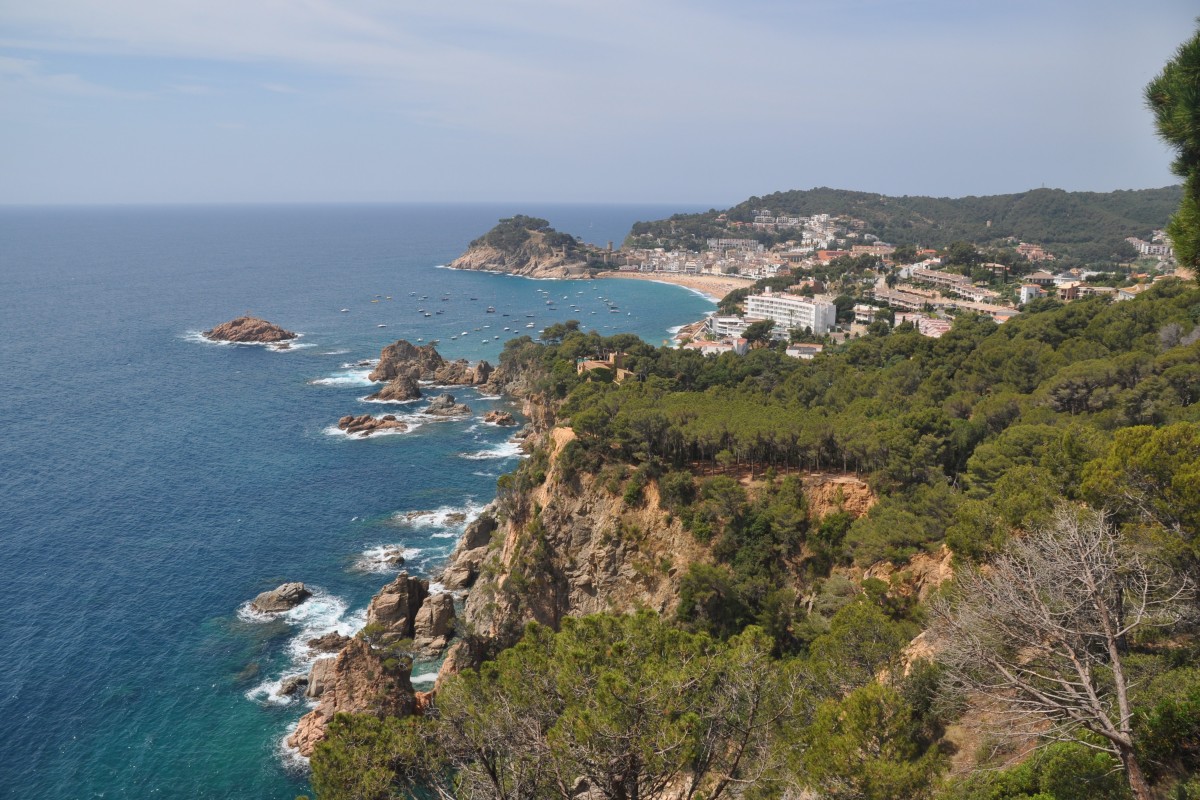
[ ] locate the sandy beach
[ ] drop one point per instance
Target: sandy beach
(713, 286)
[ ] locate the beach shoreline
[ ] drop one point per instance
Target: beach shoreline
(714, 287)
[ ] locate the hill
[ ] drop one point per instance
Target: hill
(1088, 226)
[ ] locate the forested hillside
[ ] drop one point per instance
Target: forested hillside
(1082, 225)
(800, 656)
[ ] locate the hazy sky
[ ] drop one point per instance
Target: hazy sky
(689, 101)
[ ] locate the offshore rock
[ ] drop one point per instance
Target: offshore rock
(366, 424)
(499, 418)
(401, 388)
(444, 406)
(281, 598)
(461, 373)
(358, 683)
(402, 356)
(249, 330)
(289, 686)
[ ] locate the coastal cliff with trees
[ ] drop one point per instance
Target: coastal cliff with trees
(962, 567)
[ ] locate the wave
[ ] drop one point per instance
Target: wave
(318, 615)
(445, 517)
(390, 402)
(427, 677)
(198, 337)
(335, 353)
(349, 377)
(509, 449)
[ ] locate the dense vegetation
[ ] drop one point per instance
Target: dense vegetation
(1087, 226)
(969, 440)
(511, 233)
(1174, 98)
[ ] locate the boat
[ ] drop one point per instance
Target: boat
(345, 311)
(381, 325)
(428, 314)
(484, 341)
(530, 325)
(491, 309)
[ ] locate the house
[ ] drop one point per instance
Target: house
(1030, 291)
(615, 363)
(804, 351)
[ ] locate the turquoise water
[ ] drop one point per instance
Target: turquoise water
(153, 483)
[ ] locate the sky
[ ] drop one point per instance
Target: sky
(608, 101)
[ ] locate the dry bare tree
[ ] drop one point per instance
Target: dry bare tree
(1042, 630)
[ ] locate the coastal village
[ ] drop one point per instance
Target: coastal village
(850, 280)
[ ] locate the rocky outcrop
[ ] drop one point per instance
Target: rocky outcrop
(367, 424)
(393, 611)
(922, 574)
(289, 686)
(462, 373)
(320, 676)
(465, 562)
(329, 643)
(401, 389)
(434, 624)
(402, 356)
(499, 418)
(402, 363)
(831, 493)
(444, 406)
(281, 598)
(358, 681)
(249, 330)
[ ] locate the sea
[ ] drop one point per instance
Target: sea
(152, 482)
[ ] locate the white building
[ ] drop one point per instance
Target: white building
(792, 313)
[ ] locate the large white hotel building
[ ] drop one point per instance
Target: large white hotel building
(792, 312)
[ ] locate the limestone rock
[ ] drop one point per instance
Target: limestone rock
(367, 424)
(358, 682)
(249, 329)
(444, 406)
(402, 388)
(281, 598)
(434, 624)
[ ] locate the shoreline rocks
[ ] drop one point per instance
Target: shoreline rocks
(367, 424)
(282, 598)
(444, 406)
(250, 330)
(499, 418)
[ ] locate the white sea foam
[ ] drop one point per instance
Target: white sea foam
(198, 337)
(376, 559)
(428, 677)
(354, 377)
(509, 449)
(389, 402)
(444, 517)
(334, 430)
(335, 353)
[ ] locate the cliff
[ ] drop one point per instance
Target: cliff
(528, 246)
(402, 365)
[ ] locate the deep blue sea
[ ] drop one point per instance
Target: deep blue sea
(153, 483)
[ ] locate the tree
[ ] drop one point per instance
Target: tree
(758, 333)
(1174, 99)
(1044, 630)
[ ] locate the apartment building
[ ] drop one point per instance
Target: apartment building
(792, 313)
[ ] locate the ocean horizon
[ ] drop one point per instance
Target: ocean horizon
(156, 482)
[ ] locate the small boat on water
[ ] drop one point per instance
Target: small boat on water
(345, 311)
(381, 325)
(491, 309)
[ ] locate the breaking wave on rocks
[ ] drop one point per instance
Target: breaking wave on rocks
(379, 559)
(509, 449)
(318, 615)
(413, 421)
(445, 517)
(198, 337)
(347, 377)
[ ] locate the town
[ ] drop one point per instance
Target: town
(829, 281)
